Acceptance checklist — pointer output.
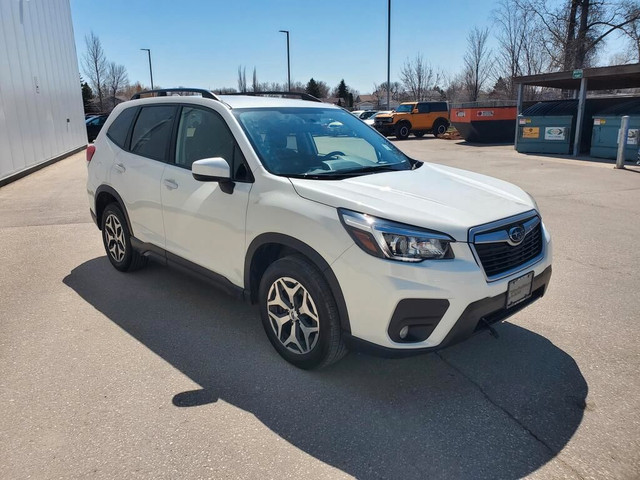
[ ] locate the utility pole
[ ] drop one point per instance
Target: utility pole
(389, 56)
(288, 60)
(148, 50)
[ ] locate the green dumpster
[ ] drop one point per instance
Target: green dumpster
(606, 128)
(547, 127)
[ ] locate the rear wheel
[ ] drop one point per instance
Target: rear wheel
(299, 313)
(402, 130)
(440, 128)
(117, 241)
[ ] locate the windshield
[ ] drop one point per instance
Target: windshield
(405, 108)
(319, 143)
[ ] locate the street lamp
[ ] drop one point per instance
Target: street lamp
(288, 59)
(388, 54)
(150, 70)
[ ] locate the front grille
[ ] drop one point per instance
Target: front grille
(500, 257)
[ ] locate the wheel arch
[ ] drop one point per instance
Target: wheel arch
(441, 120)
(268, 247)
(104, 196)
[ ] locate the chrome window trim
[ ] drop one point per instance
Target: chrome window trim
(533, 219)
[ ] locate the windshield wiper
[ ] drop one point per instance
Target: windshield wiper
(345, 173)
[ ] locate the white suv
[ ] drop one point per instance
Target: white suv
(342, 240)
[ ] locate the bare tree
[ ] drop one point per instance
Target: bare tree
(323, 88)
(478, 63)
(95, 66)
(396, 93)
(116, 80)
(632, 29)
(418, 77)
(255, 85)
(576, 29)
(242, 79)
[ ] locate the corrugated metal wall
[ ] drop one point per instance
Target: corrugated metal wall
(41, 113)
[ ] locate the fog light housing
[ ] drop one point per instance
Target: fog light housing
(404, 331)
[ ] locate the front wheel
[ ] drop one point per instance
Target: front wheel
(299, 313)
(402, 130)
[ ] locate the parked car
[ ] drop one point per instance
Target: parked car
(371, 120)
(344, 242)
(363, 114)
(94, 125)
(414, 117)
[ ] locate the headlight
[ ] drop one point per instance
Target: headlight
(385, 239)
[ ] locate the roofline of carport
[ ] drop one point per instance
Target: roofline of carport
(599, 78)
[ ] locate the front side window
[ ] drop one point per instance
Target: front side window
(423, 108)
(152, 133)
(320, 143)
(405, 108)
(203, 133)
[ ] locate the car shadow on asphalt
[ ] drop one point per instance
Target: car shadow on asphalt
(486, 408)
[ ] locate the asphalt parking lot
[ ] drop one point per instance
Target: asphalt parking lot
(156, 375)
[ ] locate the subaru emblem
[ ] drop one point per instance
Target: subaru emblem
(516, 234)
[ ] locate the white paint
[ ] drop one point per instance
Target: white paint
(39, 84)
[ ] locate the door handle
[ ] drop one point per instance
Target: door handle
(170, 184)
(120, 168)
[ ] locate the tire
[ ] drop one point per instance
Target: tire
(116, 238)
(419, 134)
(439, 128)
(309, 334)
(403, 129)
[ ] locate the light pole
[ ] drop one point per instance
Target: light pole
(148, 50)
(389, 55)
(288, 60)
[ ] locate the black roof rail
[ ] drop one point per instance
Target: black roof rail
(302, 95)
(162, 92)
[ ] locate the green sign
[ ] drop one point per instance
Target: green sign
(577, 73)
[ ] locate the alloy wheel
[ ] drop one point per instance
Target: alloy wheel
(114, 235)
(293, 315)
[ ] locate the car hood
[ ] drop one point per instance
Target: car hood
(436, 197)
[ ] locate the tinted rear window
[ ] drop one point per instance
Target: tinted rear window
(120, 127)
(438, 106)
(152, 132)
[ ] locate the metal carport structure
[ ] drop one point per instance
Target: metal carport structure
(580, 81)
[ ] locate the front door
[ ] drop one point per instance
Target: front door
(203, 224)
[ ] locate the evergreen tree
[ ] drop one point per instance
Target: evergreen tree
(313, 89)
(342, 90)
(87, 95)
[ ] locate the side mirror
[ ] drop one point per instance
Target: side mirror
(415, 110)
(213, 170)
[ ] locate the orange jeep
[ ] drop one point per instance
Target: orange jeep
(414, 117)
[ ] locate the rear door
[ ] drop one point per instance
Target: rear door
(137, 172)
(423, 117)
(203, 224)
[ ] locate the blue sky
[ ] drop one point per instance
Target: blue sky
(202, 42)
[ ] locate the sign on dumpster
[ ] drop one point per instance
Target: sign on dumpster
(632, 136)
(531, 132)
(555, 133)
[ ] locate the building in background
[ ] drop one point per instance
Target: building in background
(41, 112)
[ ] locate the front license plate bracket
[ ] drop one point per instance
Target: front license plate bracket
(519, 289)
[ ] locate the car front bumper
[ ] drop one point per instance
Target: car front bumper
(385, 128)
(450, 299)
